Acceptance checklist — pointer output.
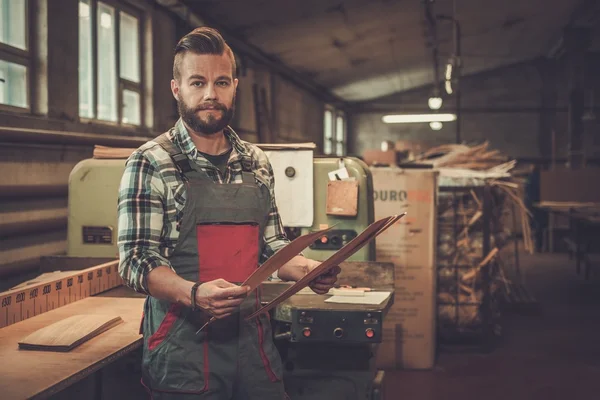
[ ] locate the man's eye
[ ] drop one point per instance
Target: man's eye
(197, 84)
(223, 83)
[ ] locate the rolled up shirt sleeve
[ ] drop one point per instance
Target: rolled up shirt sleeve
(140, 214)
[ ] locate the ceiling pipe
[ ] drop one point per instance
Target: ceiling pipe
(432, 27)
(184, 12)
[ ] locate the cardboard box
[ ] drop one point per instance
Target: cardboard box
(570, 185)
(409, 335)
(372, 156)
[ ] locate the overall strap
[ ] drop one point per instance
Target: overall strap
(248, 177)
(178, 157)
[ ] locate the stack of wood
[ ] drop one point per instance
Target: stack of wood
(466, 274)
(480, 164)
(476, 158)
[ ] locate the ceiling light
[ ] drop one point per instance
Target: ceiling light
(435, 102)
(412, 118)
(436, 125)
(448, 71)
(448, 87)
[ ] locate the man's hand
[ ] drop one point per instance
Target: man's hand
(323, 283)
(220, 298)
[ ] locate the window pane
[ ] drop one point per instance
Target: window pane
(129, 47)
(107, 64)
(339, 149)
(131, 108)
(13, 84)
(327, 146)
(86, 72)
(13, 24)
(328, 124)
(339, 129)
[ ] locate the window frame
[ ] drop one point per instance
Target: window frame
(333, 140)
(22, 57)
(121, 84)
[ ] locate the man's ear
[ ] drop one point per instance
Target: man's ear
(175, 88)
(235, 83)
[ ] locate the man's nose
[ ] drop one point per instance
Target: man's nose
(210, 92)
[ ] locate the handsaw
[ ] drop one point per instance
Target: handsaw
(276, 261)
(341, 255)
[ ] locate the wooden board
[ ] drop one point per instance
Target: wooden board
(53, 290)
(281, 257)
(337, 258)
(38, 374)
(68, 333)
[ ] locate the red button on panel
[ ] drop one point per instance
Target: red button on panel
(370, 333)
(306, 332)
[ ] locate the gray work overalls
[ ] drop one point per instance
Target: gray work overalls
(221, 235)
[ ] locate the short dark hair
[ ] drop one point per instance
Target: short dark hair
(203, 40)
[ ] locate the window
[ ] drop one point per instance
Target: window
(328, 129)
(340, 135)
(334, 130)
(14, 55)
(110, 68)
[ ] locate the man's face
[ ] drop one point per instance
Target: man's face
(206, 93)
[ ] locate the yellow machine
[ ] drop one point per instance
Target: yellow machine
(302, 200)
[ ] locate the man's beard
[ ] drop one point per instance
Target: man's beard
(211, 124)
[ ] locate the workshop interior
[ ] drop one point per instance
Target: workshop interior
(446, 151)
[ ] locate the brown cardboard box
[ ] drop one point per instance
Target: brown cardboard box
(409, 335)
(571, 185)
(389, 157)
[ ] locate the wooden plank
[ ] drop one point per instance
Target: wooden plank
(53, 291)
(68, 333)
(338, 257)
(38, 374)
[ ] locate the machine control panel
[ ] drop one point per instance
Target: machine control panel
(334, 239)
(336, 326)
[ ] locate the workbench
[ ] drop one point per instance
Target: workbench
(584, 226)
(27, 374)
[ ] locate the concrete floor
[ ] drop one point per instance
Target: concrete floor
(552, 355)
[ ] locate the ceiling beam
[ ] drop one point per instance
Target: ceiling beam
(186, 12)
(364, 104)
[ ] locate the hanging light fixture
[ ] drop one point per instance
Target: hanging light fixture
(416, 118)
(448, 76)
(436, 125)
(435, 102)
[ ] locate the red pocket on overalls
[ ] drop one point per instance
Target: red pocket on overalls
(227, 251)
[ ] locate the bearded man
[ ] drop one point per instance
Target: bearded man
(196, 216)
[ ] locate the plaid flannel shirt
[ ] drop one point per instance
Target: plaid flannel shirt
(152, 196)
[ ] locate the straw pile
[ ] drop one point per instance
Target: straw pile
(461, 260)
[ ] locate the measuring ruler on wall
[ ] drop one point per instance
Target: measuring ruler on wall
(26, 302)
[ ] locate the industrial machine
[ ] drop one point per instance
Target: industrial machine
(346, 227)
(328, 348)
